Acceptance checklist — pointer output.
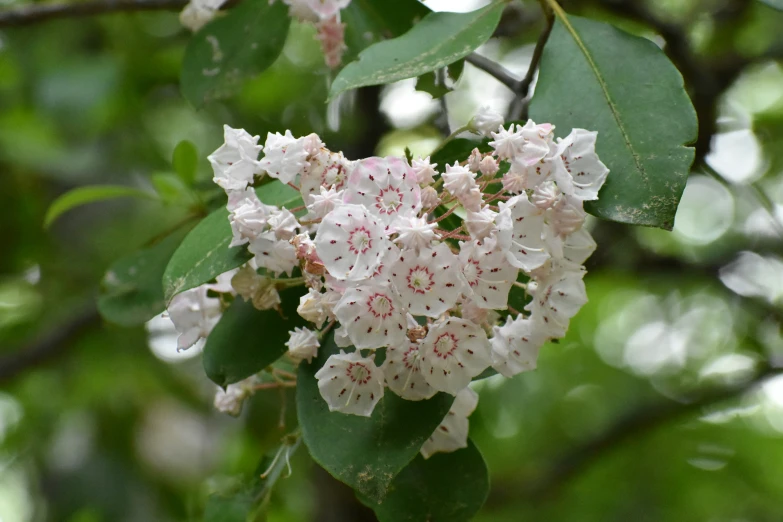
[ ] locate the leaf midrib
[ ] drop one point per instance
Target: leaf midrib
(602, 83)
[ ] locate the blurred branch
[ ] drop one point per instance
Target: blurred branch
(49, 346)
(36, 13)
(636, 423)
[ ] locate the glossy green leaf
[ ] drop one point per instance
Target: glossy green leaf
(597, 77)
(204, 254)
(365, 453)
(447, 487)
(185, 161)
(90, 194)
(131, 291)
(457, 149)
(246, 340)
(238, 45)
(170, 187)
(369, 21)
(437, 41)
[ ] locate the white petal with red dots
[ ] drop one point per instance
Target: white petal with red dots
(402, 369)
(350, 242)
(452, 434)
(580, 173)
(386, 186)
(428, 283)
(488, 273)
(515, 346)
(372, 315)
(454, 351)
(558, 297)
(350, 383)
(520, 225)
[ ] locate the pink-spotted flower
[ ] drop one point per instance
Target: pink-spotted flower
(350, 383)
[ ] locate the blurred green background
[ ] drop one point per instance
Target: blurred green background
(661, 404)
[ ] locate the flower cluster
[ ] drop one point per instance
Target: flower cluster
(416, 261)
(324, 14)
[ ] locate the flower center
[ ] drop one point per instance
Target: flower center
(472, 272)
(445, 345)
(388, 200)
(360, 241)
(334, 176)
(358, 373)
(410, 357)
(380, 306)
(420, 280)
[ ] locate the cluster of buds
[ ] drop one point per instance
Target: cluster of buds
(419, 261)
(324, 14)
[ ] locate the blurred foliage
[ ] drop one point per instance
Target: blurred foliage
(100, 422)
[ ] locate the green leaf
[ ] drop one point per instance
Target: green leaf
(240, 44)
(131, 292)
(90, 194)
(365, 453)
(229, 508)
(170, 187)
(185, 161)
(204, 254)
(246, 340)
(446, 37)
(447, 487)
(369, 21)
(597, 77)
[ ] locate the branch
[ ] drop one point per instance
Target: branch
(35, 13)
(47, 347)
(496, 70)
(642, 420)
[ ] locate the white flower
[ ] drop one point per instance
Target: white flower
(521, 226)
(372, 315)
(325, 169)
(230, 400)
(472, 200)
(350, 383)
(515, 346)
(302, 344)
(515, 179)
(402, 369)
(487, 121)
(283, 224)
(545, 195)
(557, 298)
(350, 242)
(284, 156)
(424, 170)
(277, 256)
(253, 287)
(481, 224)
(235, 162)
(454, 351)
(489, 166)
(452, 434)
(428, 283)
(474, 160)
(458, 180)
(386, 187)
(429, 197)
(415, 233)
(578, 246)
(538, 143)
(566, 216)
(198, 12)
(481, 316)
(312, 10)
(194, 315)
(580, 173)
(324, 202)
(489, 275)
(249, 219)
(508, 143)
(311, 307)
